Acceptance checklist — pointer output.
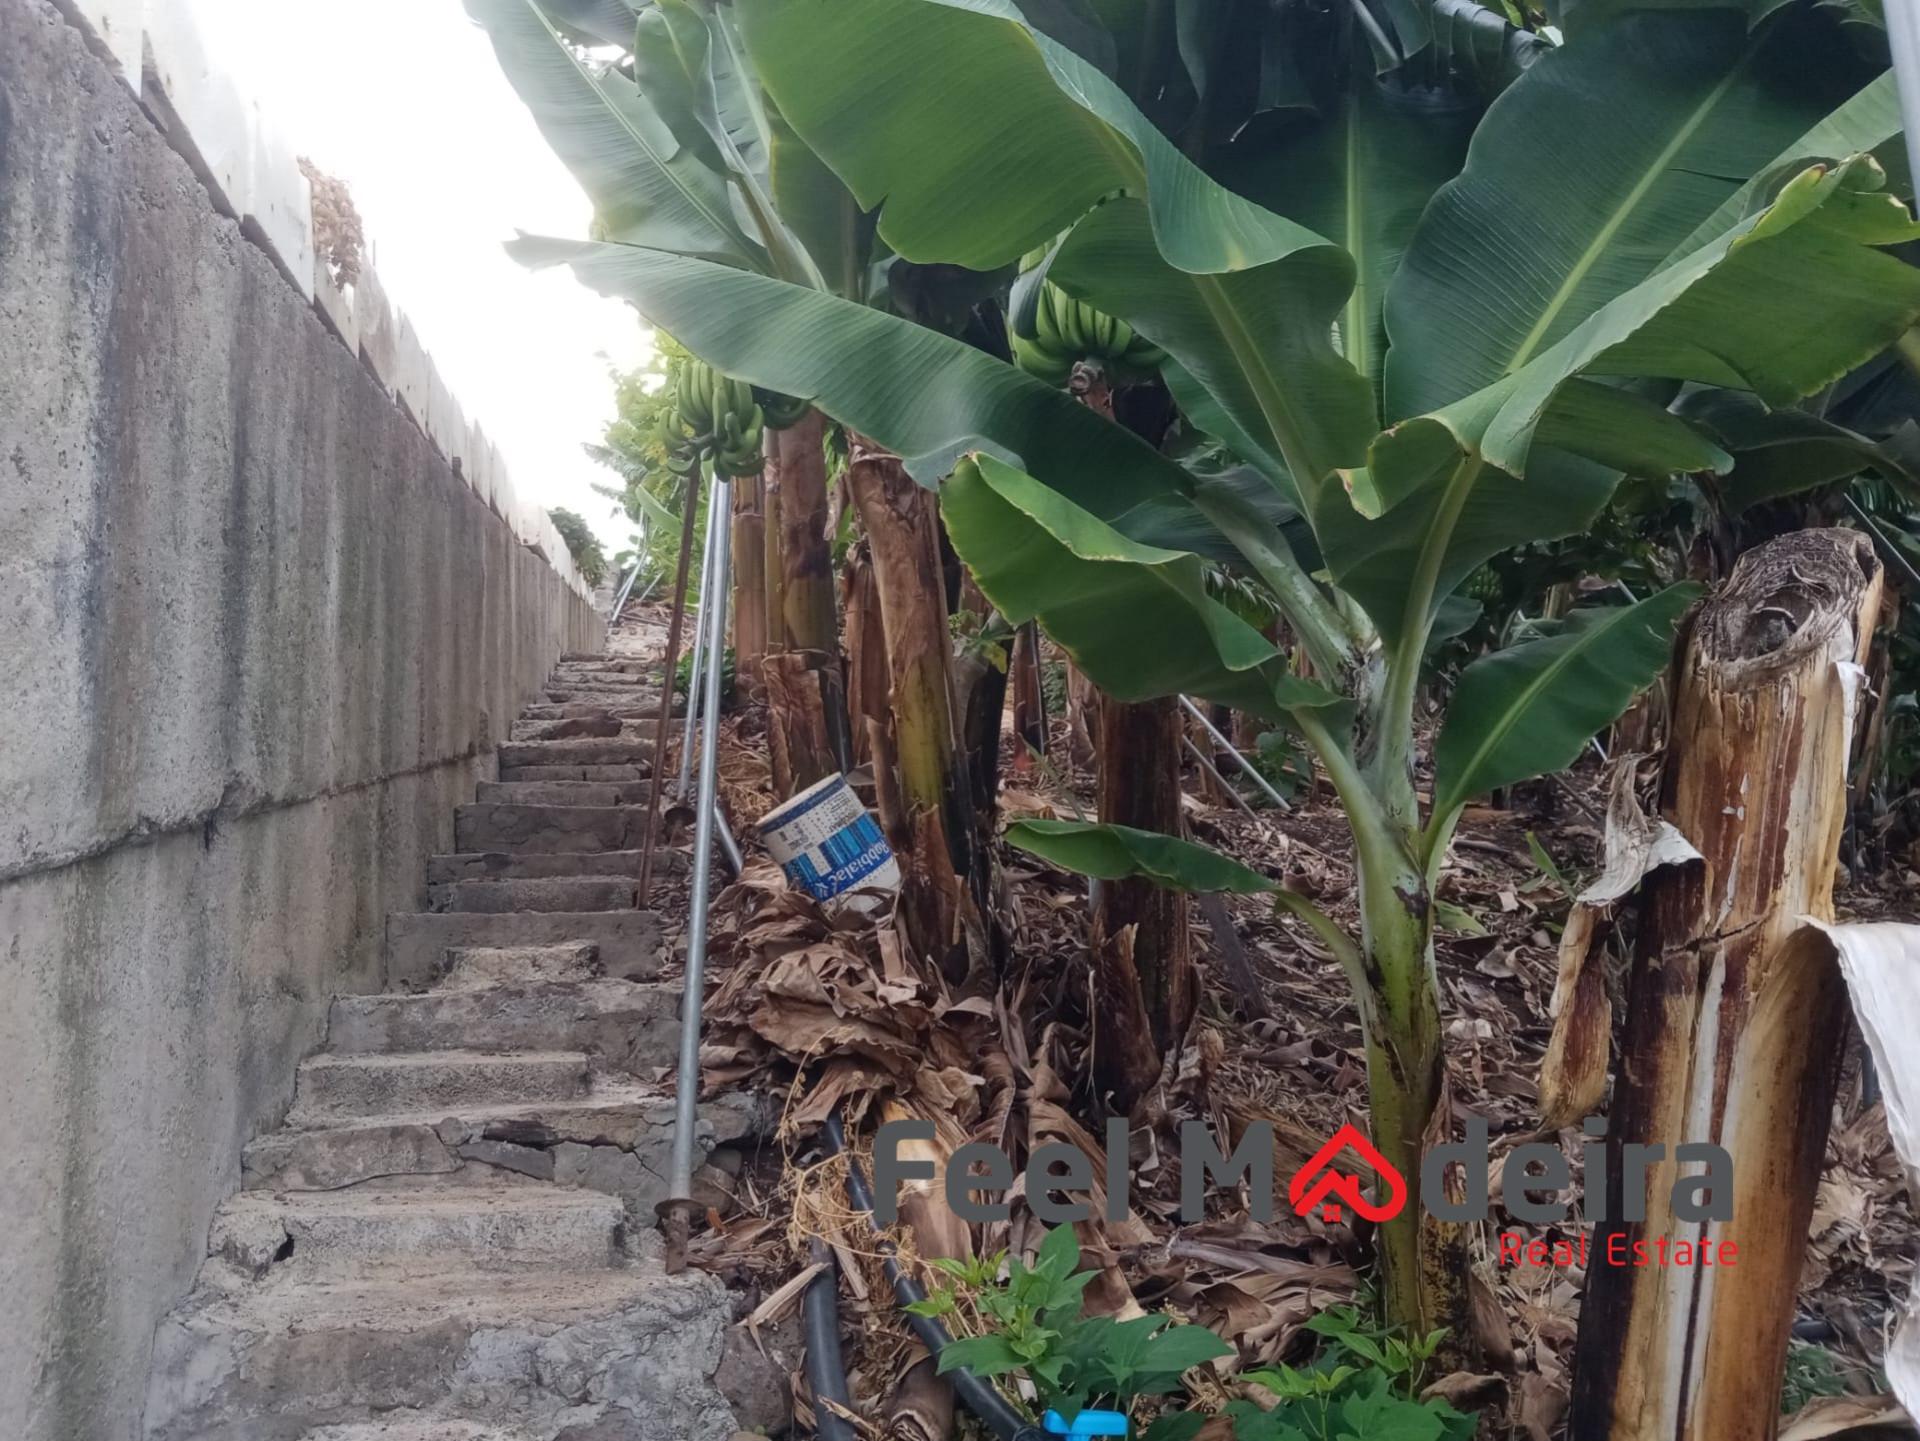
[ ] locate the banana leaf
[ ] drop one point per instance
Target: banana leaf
(980, 138)
(925, 396)
(1528, 710)
(1784, 304)
(1584, 176)
(646, 186)
(1136, 619)
(1115, 853)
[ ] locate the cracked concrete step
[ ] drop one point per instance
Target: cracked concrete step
(368, 1229)
(563, 793)
(504, 865)
(616, 1141)
(624, 1354)
(417, 943)
(342, 1087)
(496, 827)
(574, 773)
(553, 893)
(600, 724)
(625, 1025)
(580, 751)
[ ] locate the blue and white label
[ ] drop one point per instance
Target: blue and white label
(827, 843)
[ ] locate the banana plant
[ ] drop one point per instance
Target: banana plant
(682, 151)
(1461, 353)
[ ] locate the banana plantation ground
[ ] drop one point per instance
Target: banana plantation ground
(825, 1011)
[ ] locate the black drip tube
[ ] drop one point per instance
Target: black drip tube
(979, 1396)
(826, 1371)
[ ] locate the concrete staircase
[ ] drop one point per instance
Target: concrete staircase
(452, 1239)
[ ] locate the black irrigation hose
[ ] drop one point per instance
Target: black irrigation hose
(826, 1371)
(980, 1396)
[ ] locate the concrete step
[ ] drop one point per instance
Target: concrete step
(623, 1025)
(601, 723)
(549, 710)
(624, 1354)
(574, 773)
(622, 700)
(417, 1429)
(364, 1230)
(417, 944)
(345, 1087)
(616, 1141)
(583, 751)
(477, 967)
(578, 893)
(626, 672)
(563, 793)
(620, 689)
(504, 865)
(548, 828)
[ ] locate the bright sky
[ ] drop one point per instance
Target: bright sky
(403, 100)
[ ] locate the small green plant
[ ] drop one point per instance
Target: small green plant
(1031, 1324)
(1812, 1372)
(1283, 760)
(1550, 872)
(1364, 1385)
(1053, 686)
(684, 669)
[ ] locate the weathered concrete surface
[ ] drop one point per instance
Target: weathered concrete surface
(258, 641)
(417, 944)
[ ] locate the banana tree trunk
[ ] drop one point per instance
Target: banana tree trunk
(749, 583)
(1082, 716)
(1732, 1037)
(980, 691)
(935, 792)
(807, 703)
(867, 682)
(1029, 702)
(1142, 945)
(773, 565)
(1425, 1262)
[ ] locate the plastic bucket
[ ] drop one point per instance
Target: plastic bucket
(828, 845)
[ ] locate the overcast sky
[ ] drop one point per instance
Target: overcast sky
(403, 100)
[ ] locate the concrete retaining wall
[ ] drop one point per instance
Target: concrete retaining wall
(257, 638)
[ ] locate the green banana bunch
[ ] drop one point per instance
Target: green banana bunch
(1483, 585)
(712, 416)
(1245, 597)
(1067, 331)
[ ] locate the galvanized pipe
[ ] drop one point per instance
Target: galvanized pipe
(699, 650)
(1246, 765)
(1903, 37)
(693, 989)
(633, 574)
(1200, 759)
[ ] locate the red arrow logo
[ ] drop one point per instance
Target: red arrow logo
(1308, 1194)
